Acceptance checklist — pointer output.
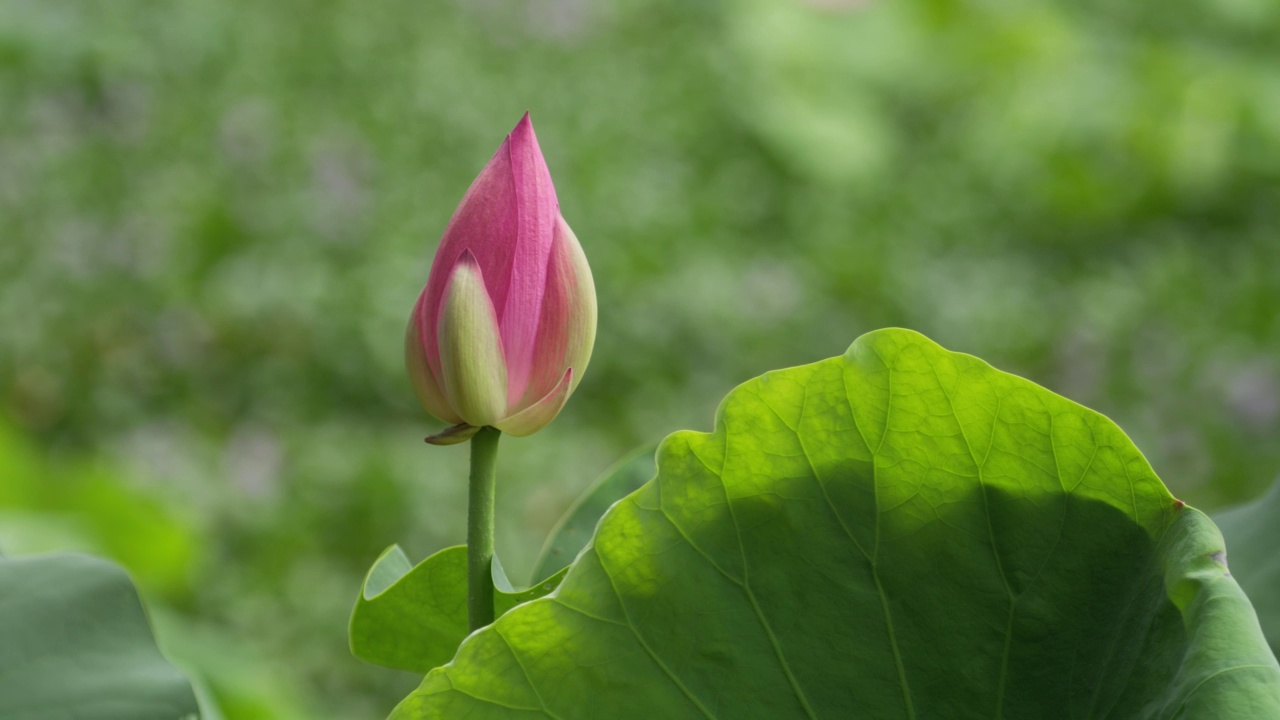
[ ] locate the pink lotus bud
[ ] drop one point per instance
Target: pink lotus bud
(504, 328)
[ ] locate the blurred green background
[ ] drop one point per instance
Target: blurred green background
(215, 216)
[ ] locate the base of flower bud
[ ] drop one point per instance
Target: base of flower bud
(459, 433)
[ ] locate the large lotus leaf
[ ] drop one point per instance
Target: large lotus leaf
(573, 531)
(901, 532)
(413, 617)
(1252, 532)
(75, 643)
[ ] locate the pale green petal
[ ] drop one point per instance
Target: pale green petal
(582, 335)
(475, 374)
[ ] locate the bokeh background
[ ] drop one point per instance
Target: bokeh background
(215, 216)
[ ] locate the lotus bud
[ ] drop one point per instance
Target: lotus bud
(502, 332)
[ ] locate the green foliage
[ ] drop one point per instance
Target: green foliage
(898, 532)
(76, 643)
(215, 216)
(413, 618)
(1250, 531)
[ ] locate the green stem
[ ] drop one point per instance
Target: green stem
(484, 461)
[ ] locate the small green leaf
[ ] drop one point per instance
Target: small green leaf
(901, 532)
(75, 643)
(573, 531)
(413, 618)
(1252, 532)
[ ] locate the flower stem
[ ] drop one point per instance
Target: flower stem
(484, 461)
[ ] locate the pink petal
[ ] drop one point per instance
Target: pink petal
(505, 220)
(537, 211)
(486, 223)
(538, 415)
(567, 326)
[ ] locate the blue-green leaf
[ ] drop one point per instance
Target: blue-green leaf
(75, 643)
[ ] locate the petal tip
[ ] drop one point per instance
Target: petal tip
(522, 136)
